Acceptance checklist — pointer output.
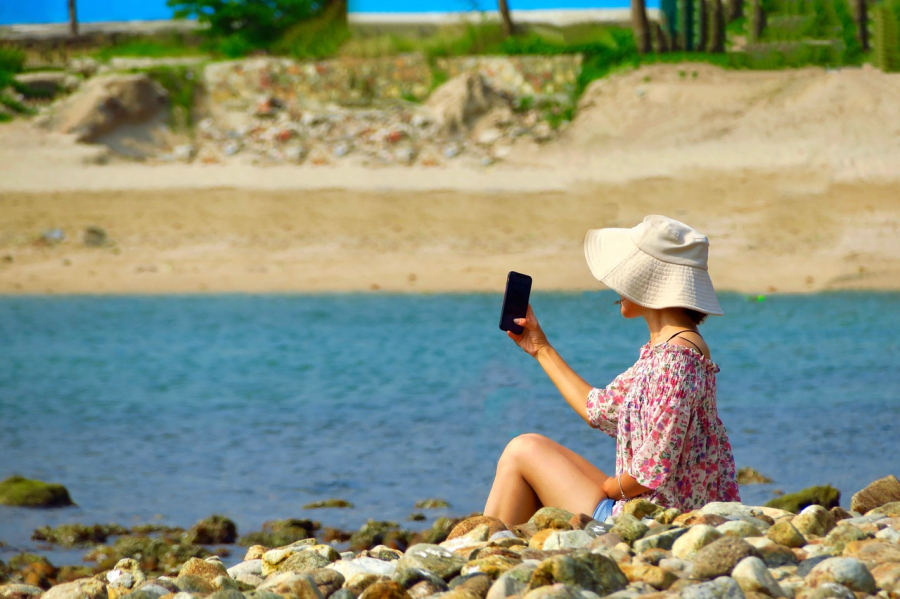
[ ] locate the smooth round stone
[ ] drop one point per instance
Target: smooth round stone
(696, 538)
(358, 583)
(434, 558)
(785, 533)
(720, 557)
(887, 576)
(554, 591)
(847, 571)
(739, 529)
(752, 575)
(629, 529)
(493, 566)
(680, 567)
(772, 553)
(844, 534)
(87, 588)
(385, 590)
(656, 577)
(469, 524)
(301, 586)
(664, 539)
(729, 509)
(720, 588)
(641, 508)
(225, 594)
(551, 517)
(304, 561)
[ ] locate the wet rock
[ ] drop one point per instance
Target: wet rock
(22, 492)
(431, 504)
(825, 496)
(813, 520)
(77, 535)
(629, 529)
(749, 476)
(385, 590)
(696, 538)
(785, 533)
(210, 531)
(720, 557)
(278, 533)
(328, 503)
(207, 570)
(882, 491)
(852, 573)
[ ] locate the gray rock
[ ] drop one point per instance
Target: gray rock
(720, 588)
(696, 538)
(831, 590)
(302, 586)
(151, 590)
(752, 575)
(629, 529)
(568, 539)
(850, 572)
(842, 535)
(434, 558)
(412, 576)
(809, 563)
(342, 594)
(597, 529)
(512, 582)
(661, 540)
(720, 557)
(253, 566)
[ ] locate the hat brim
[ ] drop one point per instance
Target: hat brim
(619, 264)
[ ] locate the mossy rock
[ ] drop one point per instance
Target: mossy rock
(22, 492)
(212, 530)
(77, 535)
(278, 533)
(333, 503)
(826, 496)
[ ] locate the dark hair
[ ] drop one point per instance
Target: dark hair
(696, 317)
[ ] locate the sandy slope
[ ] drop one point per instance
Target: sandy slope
(793, 175)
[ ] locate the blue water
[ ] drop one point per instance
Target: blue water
(168, 409)
(93, 11)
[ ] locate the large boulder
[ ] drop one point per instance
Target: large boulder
(882, 491)
(460, 102)
(825, 495)
(108, 102)
(22, 492)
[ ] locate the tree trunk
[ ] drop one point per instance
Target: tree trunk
(669, 10)
(640, 26)
(662, 39)
(862, 24)
(716, 27)
(508, 27)
(73, 19)
(702, 25)
(758, 20)
(686, 25)
(735, 10)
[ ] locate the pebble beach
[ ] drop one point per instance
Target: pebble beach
(722, 550)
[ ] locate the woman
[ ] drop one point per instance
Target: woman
(671, 447)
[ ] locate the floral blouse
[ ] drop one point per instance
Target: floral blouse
(662, 413)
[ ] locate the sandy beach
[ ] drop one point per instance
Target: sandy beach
(792, 175)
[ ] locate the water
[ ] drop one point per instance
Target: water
(168, 409)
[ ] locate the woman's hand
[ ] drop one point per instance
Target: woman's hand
(532, 340)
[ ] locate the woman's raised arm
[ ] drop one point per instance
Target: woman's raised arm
(533, 341)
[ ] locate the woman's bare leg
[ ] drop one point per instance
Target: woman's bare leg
(535, 471)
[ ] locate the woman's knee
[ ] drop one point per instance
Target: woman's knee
(522, 448)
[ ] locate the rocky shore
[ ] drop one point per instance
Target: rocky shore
(722, 550)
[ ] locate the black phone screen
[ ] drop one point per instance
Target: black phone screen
(515, 301)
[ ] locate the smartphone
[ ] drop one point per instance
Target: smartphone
(515, 301)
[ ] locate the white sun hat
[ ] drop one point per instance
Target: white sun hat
(660, 263)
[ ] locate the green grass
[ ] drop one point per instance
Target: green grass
(183, 86)
(159, 46)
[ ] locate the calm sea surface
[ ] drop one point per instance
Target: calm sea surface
(168, 409)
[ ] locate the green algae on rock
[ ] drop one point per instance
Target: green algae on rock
(78, 535)
(18, 491)
(825, 495)
(278, 533)
(750, 476)
(431, 504)
(212, 530)
(333, 503)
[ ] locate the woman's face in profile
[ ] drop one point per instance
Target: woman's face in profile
(628, 308)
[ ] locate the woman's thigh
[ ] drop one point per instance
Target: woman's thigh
(559, 476)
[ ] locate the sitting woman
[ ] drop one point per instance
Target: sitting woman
(671, 447)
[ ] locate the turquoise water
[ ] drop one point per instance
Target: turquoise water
(168, 409)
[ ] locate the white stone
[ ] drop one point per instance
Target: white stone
(567, 539)
(687, 545)
(751, 574)
(252, 566)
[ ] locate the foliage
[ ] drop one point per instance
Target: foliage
(826, 496)
(240, 26)
(887, 36)
(12, 60)
(317, 37)
(183, 86)
(159, 46)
